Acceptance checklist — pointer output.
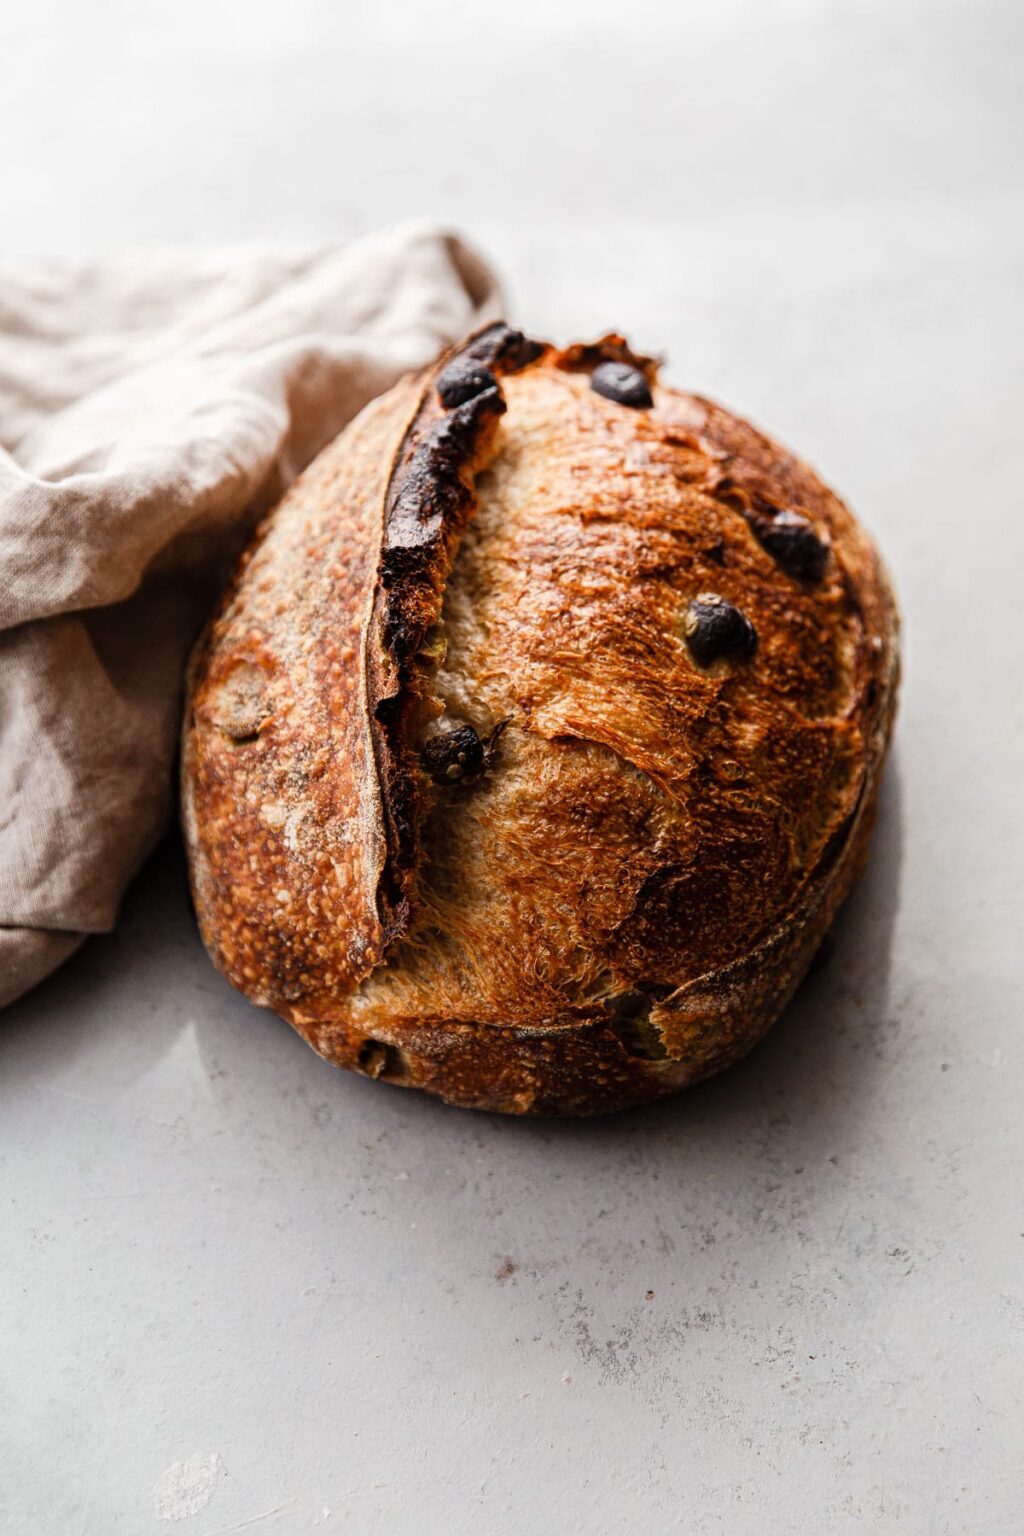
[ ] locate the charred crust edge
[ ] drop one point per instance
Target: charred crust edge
(585, 356)
(500, 347)
(429, 500)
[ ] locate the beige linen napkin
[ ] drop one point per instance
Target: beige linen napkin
(150, 409)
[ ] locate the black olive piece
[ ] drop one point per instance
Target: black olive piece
(500, 344)
(793, 544)
(620, 382)
(454, 757)
(463, 380)
(715, 628)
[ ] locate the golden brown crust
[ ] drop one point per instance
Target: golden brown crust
(286, 852)
(624, 901)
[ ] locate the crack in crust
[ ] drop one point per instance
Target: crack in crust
(428, 503)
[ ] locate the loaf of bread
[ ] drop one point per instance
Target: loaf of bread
(537, 740)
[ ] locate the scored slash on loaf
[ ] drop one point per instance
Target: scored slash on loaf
(537, 739)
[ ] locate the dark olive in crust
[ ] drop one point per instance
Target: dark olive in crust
(715, 628)
(623, 384)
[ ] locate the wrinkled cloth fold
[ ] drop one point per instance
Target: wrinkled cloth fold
(150, 410)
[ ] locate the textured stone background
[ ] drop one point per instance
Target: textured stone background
(238, 1290)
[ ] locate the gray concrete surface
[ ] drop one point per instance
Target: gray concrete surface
(240, 1291)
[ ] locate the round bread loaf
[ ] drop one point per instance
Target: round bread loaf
(538, 738)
